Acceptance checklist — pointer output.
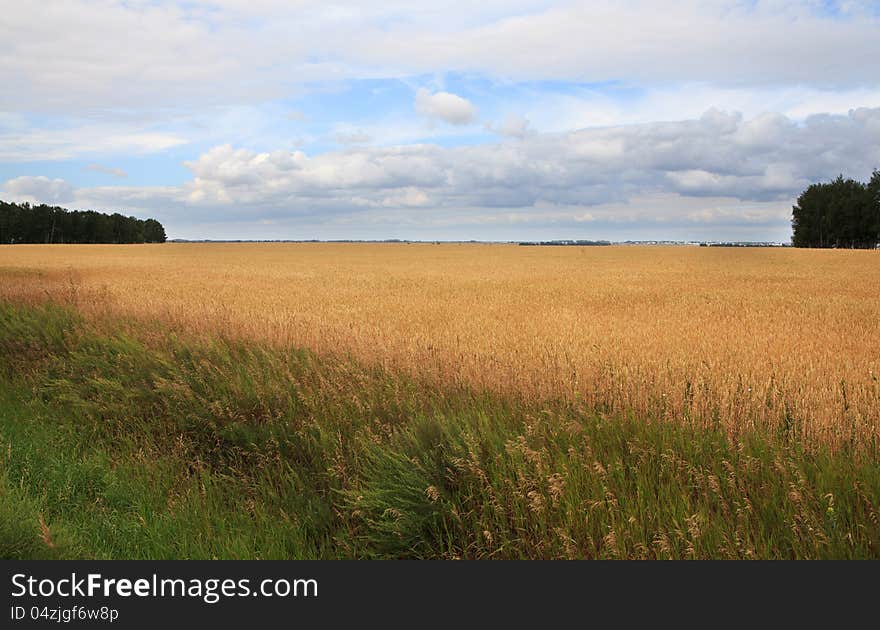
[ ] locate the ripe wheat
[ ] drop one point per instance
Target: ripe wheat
(747, 339)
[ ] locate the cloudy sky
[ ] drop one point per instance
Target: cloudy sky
(497, 120)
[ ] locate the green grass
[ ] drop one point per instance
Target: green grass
(145, 445)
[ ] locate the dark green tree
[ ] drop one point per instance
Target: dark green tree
(24, 223)
(154, 232)
(841, 213)
(872, 220)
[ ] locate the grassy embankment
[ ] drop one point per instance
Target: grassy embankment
(116, 444)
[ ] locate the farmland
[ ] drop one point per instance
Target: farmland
(455, 400)
(742, 338)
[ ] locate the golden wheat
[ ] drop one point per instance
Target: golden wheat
(745, 339)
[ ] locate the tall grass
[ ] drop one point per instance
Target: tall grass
(133, 442)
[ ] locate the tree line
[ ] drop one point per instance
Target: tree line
(26, 223)
(842, 213)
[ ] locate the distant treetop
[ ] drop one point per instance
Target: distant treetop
(25, 223)
(842, 213)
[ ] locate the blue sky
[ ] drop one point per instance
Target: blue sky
(500, 120)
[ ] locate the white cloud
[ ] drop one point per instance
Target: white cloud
(715, 170)
(108, 170)
(354, 136)
(626, 105)
(727, 42)
(37, 190)
(158, 61)
(83, 55)
(29, 143)
(408, 197)
(512, 126)
(445, 106)
(542, 177)
(91, 79)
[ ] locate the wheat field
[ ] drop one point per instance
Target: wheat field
(745, 339)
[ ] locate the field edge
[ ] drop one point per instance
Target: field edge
(115, 446)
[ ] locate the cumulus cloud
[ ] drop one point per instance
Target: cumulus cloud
(720, 154)
(590, 79)
(762, 162)
(37, 190)
(445, 106)
(123, 81)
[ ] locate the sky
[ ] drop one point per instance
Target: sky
(491, 120)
